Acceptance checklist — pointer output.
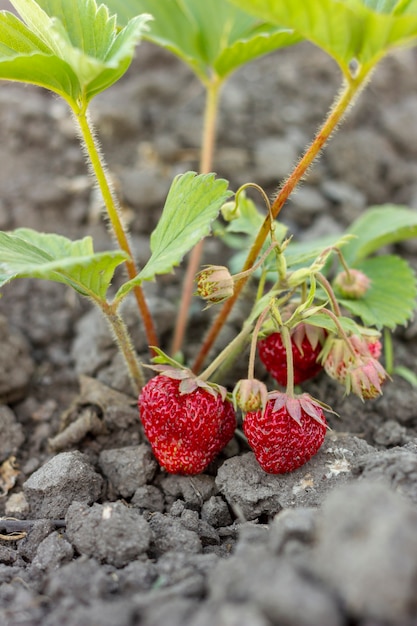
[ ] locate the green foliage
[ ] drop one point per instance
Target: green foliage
(72, 47)
(193, 202)
(360, 31)
(212, 37)
(391, 298)
(25, 253)
(377, 227)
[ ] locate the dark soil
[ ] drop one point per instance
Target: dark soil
(92, 531)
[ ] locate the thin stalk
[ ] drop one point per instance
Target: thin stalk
(328, 289)
(338, 110)
(99, 169)
(227, 352)
(388, 352)
(254, 343)
(340, 330)
(206, 162)
(124, 344)
(286, 338)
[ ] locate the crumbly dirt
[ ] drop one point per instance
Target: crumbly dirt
(92, 532)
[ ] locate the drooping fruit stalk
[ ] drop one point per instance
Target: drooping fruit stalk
(342, 103)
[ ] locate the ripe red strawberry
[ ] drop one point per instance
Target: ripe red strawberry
(306, 346)
(287, 433)
(186, 428)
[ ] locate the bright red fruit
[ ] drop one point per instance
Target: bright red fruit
(306, 347)
(287, 433)
(186, 430)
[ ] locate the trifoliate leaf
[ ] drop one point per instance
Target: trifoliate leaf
(212, 37)
(359, 31)
(72, 47)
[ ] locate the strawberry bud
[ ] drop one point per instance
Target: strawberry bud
(250, 395)
(215, 284)
(353, 284)
(355, 365)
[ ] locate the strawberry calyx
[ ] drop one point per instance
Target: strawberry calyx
(189, 381)
(250, 394)
(166, 366)
(214, 284)
(295, 404)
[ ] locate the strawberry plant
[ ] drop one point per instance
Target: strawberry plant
(321, 305)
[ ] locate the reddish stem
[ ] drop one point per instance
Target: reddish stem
(336, 114)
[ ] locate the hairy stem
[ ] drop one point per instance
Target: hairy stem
(99, 169)
(125, 345)
(206, 161)
(229, 351)
(286, 338)
(328, 289)
(340, 107)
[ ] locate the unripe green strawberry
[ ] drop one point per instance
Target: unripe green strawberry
(287, 433)
(186, 429)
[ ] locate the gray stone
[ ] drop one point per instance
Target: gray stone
(274, 586)
(28, 546)
(216, 512)
(397, 467)
(290, 526)
(366, 551)
(66, 477)
(229, 614)
(52, 553)
(400, 121)
(112, 533)
(390, 433)
(169, 534)
(103, 612)
(342, 193)
(11, 433)
(148, 497)
(16, 364)
(308, 199)
(251, 492)
(83, 580)
(128, 468)
(194, 490)
(274, 158)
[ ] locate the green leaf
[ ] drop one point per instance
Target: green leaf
(193, 202)
(362, 31)
(391, 298)
(377, 227)
(321, 320)
(25, 253)
(211, 37)
(72, 47)
(300, 253)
